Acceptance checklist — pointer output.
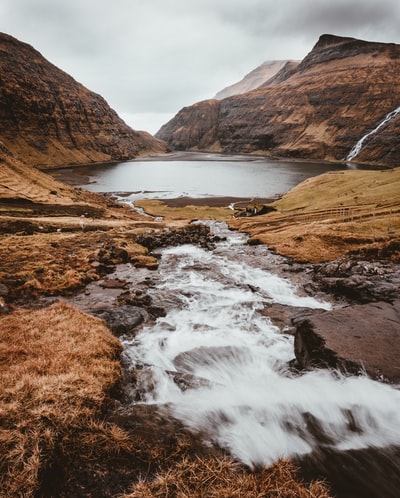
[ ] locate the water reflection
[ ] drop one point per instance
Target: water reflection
(199, 175)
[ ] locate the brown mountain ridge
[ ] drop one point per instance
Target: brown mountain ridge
(48, 119)
(256, 78)
(342, 90)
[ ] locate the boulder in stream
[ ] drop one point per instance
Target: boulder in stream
(354, 339)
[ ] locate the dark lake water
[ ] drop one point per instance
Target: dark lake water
(198, 175)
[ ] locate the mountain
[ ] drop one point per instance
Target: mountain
(25, 190)
(48, 119)
(341, 91)
(252, 80)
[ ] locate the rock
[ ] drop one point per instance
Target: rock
(304, 111)
(113, 283)
(283, 316)
(352, 339)
(187, 361)
(112, 255)
(141, 383)
(359, 281)
(187, 381)
(122, 319)
(191, 234)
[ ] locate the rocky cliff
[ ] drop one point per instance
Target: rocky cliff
(48, 119)
(252, 80)
(319, 109)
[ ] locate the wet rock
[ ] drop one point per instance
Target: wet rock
(359, 281)
(158, 430)
(254, 242)
(92, 275)
(357, 473)
(156, 311)
(112, 255)
(143, 301)
(187, 381)
(193, 234)
(141, 384)
(353, 339)
(283, 316)
(122, 319)
(207, 356)
(113, 283)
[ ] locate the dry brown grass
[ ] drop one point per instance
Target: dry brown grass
(58, 367)
(183, 214)
(326, 216)
(58, 263)
(223, 478)
(58, 371)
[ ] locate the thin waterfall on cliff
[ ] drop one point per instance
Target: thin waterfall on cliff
(359, 145)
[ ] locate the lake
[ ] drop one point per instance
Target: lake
(196, 175)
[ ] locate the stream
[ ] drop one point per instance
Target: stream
(236, 384)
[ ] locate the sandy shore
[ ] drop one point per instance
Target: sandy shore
(213, 201)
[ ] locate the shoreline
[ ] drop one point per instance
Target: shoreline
(217, 201)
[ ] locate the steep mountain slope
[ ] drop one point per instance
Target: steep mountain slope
(252, 80)
(341, 91)
(48, 119)
(20, 182)
(25, 190)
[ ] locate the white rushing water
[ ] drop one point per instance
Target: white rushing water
(242, 393)
(359, 145)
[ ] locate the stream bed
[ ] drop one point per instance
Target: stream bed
(218, 363)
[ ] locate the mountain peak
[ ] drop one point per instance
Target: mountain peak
(318, 109)
(254, 79)
(328, 40)
(331, 47)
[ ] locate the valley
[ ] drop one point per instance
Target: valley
(190, 342)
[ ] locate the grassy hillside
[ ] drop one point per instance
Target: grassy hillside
(328, 215)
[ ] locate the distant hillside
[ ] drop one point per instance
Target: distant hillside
(252, 80)
(24, 187)
(342, 90)
(48, 119)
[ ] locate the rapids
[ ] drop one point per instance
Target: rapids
(242, 393)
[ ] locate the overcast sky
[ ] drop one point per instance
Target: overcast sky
(149, 58)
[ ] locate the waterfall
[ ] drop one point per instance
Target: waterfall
(359, 145)
(234, 361)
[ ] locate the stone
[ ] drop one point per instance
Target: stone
(113, 283)
(359, 281)
(353, 339)
(192, 234)
(122, 319)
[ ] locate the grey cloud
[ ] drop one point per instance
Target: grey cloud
(159, 55)
(340, 17)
